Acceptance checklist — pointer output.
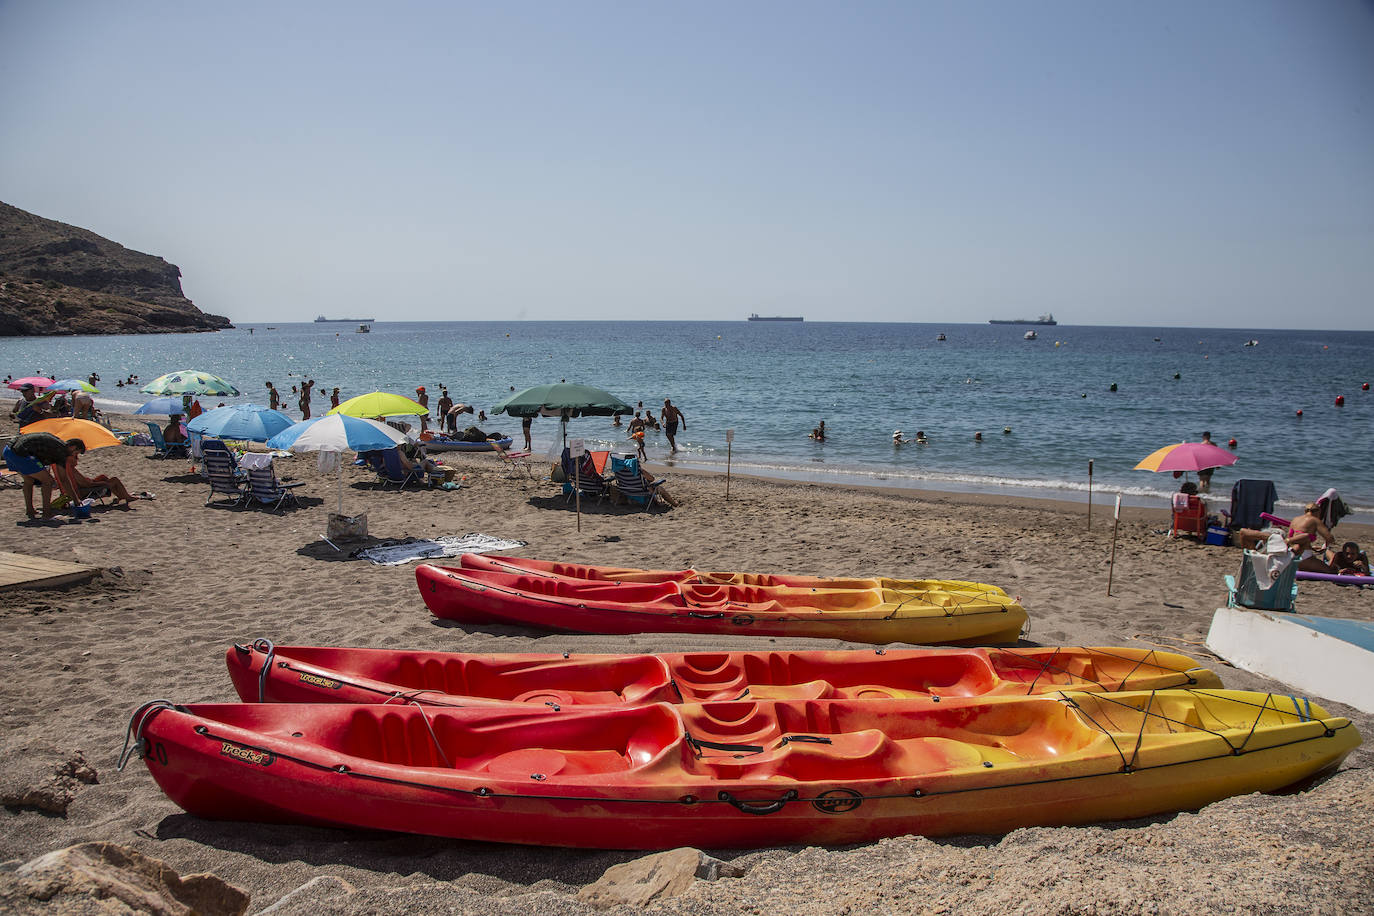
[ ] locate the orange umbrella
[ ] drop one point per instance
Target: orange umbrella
(93, 434)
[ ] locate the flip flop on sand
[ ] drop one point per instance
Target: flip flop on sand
(146, 495)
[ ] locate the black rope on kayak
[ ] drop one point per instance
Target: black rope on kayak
(1140, 733)
(1070, 701)
(433, 737)
(265, 646)
(133, 740)
(698, 745)
(487, 792)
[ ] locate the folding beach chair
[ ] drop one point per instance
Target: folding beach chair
(1189, 516)
(164, 449)
(224, 481)
(586, 477)
(263, 484)
(630, 483)
(395, 472)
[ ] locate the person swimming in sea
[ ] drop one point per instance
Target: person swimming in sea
(819, 432)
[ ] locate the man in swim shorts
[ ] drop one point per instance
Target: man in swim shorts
(671, 417)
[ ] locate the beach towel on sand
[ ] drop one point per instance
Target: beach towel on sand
(408, 551)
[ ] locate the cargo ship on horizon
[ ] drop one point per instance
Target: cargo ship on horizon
(1046, 319)
(757, 317)
(346, 320)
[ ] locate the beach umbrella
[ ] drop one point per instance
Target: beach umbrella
(189, 381)
(380, 404)
(1187, 456)
(37, 381)
(93, 434)
(249, 422)
(166, 407)
(337, 433)
(564, 400)
(74, 384)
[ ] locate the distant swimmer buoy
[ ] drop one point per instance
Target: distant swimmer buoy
(1364, 387)
(1232, 444)
(1006, 430)
(1299, 411)
(1113, 388)
(1177, 376)
(1340, 400)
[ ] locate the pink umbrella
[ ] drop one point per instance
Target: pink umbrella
(1187, 456)
(36, 381)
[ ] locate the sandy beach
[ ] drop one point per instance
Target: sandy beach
(182, 581)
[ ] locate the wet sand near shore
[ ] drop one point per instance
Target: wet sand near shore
(182, 581)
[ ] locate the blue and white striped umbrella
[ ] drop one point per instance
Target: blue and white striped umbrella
(166, 407)
(249, 422)
(337, 433)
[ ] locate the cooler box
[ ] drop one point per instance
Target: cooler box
(1218, 535)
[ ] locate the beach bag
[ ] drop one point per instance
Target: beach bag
(1266, 578)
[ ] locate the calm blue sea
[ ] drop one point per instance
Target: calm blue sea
(772, 382)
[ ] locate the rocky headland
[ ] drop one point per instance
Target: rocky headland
(60, 279)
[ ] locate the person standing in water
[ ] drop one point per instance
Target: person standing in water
(273, 397)
(671, 417)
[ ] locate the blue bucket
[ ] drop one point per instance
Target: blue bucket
(80, 511)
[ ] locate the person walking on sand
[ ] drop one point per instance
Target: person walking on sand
(273, 397)
(422, 399)
(671, 417)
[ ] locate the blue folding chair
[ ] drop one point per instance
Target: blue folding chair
(630, 482)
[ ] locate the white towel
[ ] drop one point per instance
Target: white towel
(329, 462)
(255, 461)
(397, 554)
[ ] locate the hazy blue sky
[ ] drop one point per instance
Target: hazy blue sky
(1171, 163)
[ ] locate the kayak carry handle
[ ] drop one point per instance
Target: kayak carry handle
(759, 807)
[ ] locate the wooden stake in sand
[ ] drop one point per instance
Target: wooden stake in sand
(1111, 564)
(729, 450)
(1090, 494)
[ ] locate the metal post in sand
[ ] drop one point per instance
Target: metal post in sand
(729, 451)
(1090, 494)
(1111, 564)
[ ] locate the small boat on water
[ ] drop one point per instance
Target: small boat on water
(448, 444)
(940, 337)
(1252, 343)
(1030, 335)
(923, 612)
(364, 329)
(266, 673)
(739, 774)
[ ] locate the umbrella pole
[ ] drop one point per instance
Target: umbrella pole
(341, 484)
(1090, 494)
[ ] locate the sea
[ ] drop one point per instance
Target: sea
(1072, 410)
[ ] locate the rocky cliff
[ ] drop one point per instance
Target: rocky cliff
(58, 279)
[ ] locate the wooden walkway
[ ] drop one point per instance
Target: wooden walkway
(20, 571)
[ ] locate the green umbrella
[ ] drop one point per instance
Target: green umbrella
(189, 381)
(380, 404)
(564, 400)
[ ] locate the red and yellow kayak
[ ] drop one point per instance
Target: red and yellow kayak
(263, 672)
(861, 610)
(734, 774)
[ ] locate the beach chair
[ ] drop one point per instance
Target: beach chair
(1250, 498)
(515, 462)
(224, 481)
(1189, 516)
(264, 486)
(587, 479)
(630, 483)
(162, 448)
(394, 472)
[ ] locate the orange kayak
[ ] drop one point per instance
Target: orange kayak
(735, 774)
(263, 672)
(862, 610)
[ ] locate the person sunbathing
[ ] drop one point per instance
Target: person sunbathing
(1350, 560)
(85, 486)
(1302, 535)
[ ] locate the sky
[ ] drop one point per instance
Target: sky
(1170, 163)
